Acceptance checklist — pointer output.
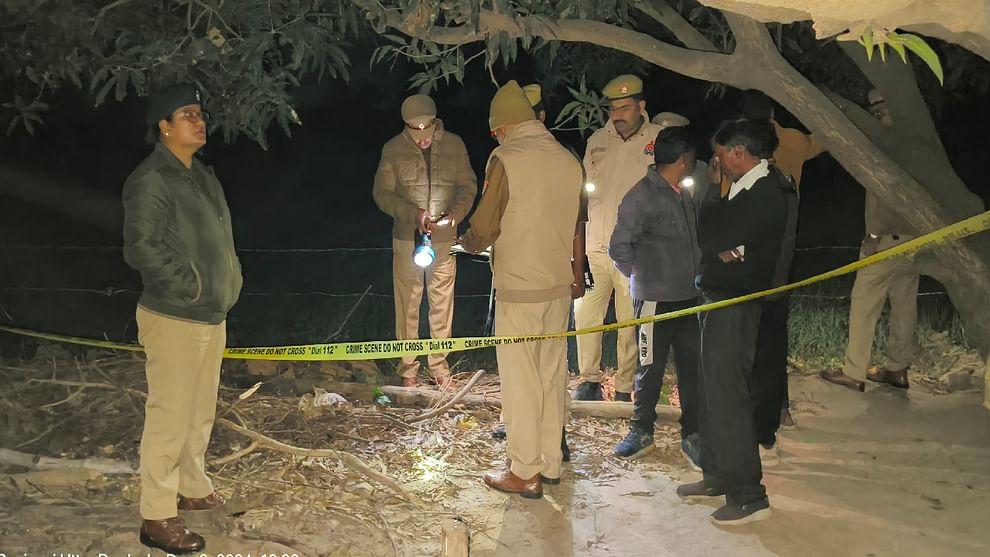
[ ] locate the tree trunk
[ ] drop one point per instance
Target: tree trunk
(960, 266)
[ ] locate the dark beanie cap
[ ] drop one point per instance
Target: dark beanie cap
(162, 104)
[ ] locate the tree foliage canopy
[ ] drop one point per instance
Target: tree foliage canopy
(245, 55)
(249, 55)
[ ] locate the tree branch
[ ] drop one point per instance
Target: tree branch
(873, 128)
(915, 143)
(709, 66)
(460, 394)
(896, 82)
(751, 35)
(349, 460)
(664, 14)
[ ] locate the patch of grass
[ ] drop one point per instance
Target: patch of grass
(819, 329)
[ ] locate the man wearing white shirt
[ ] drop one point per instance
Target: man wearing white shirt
(740, 239)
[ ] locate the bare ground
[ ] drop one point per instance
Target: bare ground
(874, 474)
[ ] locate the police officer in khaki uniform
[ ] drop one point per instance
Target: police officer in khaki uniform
(895, 279)
(426, 184)
(528, 209)
(616, 158)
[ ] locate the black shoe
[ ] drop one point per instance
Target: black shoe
(499, 432)
(588, 390)
(737, 515)
(698, 490)
(623, 397)
(565, 451)
(549, 481)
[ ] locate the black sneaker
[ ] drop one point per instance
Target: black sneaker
(737, 515)
(698, 490)
(637, 443)
(691, 447)
(623, 397)
(499, 432)
(564, 449)
(588, 390)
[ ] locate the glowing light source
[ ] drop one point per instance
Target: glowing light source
(589, 187)
(688, 182)
(424, 254)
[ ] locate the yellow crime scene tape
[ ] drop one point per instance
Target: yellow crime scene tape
(384, 349)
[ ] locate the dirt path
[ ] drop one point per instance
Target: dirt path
(885, 473)
(882, 474)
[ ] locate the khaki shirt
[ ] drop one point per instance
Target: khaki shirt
(406, 181)
(880, 220)
(486, 221)
(614, 165)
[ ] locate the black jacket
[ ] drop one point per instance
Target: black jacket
(177, 234)
(654, 241)
(755, 218)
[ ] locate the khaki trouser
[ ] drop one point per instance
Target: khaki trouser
(407, 285)
(183, 371)
(534, 385)
(589, 311)
(896, 279)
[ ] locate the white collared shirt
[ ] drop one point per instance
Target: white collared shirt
(746, 182)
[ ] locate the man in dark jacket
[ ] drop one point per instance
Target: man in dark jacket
(177, 234)
(740, 238)
(655, 244)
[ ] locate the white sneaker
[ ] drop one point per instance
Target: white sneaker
(769, 457)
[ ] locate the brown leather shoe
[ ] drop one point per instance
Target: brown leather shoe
(171, 536)
(508, 482)
(211, 501)
(836, 376)
(897, 379)
(408, 381)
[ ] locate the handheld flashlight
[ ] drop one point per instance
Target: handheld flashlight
(424, 254)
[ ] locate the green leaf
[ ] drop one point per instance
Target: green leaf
(868, 42)
(121, 90)
(883, 51)
(13, 124)
(896, 42)
(918, 46)
(102, 95)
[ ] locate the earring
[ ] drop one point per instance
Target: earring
(166, 134)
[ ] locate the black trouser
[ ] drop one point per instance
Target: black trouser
(769, 384)
(729, 454)
(655, 341)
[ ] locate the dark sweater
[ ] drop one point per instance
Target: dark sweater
(754, 218)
